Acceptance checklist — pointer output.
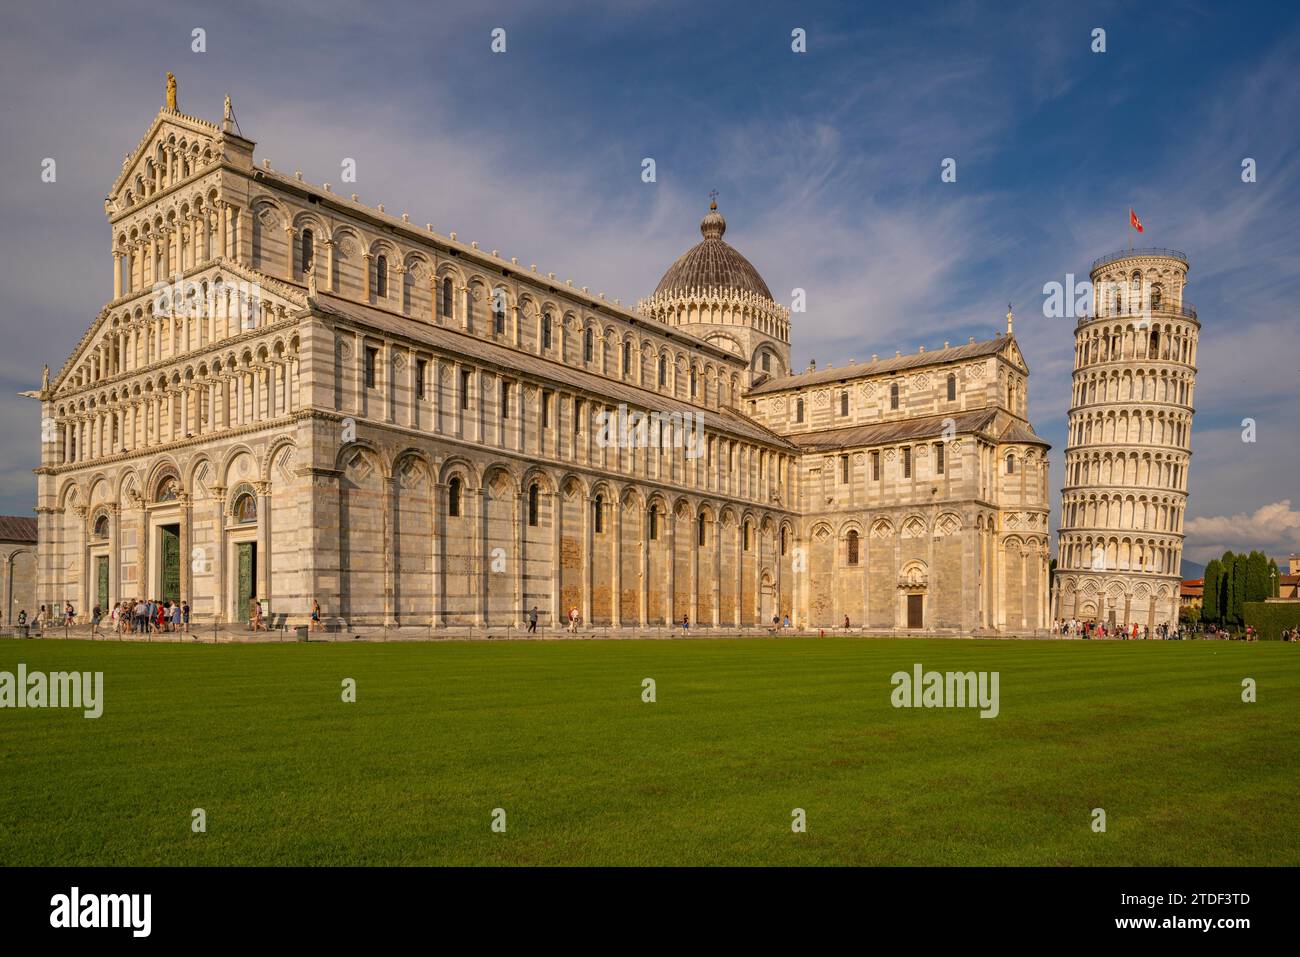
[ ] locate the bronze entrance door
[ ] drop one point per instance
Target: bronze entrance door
(247, 574)
(101, 583)
(914, 611)
(170, 585)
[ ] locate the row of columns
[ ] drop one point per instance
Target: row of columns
(260, 392)
(215, 231)
(474, 511)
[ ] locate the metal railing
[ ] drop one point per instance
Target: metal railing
(1148, 251)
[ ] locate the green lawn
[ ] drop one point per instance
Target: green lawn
(743, 731)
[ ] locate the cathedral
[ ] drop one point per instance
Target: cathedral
(293, 396)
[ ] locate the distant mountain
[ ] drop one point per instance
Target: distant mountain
(1192, 570)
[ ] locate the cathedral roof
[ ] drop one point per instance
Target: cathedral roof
(913, 428)
(504, 357)
(712, 264)
(17, 528)
(970, 350)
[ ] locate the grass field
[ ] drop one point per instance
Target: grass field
(743, 731)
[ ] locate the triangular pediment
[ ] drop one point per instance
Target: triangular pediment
(271, 291)
(200, 140)
(1011, 352)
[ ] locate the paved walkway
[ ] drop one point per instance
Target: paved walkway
(227, 634)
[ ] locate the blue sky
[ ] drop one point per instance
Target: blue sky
(827, 164)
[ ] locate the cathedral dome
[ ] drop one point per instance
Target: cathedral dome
(711, 264)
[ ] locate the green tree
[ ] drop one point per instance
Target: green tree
(1228, 561)
(1239, 563)
(1256, 576)
(1274, 578)
(1213, 581)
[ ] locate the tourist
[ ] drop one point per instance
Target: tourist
(532, 621)
(22, 617)
(315, 615)
(686, 622)
(176, 618)
(257, 616)
(68, 613)
(846, 622)
(573, 619)
(786, 620)
(185, 616)
(95, 616)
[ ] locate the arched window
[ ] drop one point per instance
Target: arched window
(245, 510)
(1157, 295)
(532, 504)
(499, 312)
(445, 306)
(469, 311)
(381, 277)
(853, 547)
(783, 531)
(767, 362)
(546, 330)
(693, 382)
(627, 358)
(952, 387)
(598, 507)
(453, 498)
(663, 370)
(744, 537)
(798, 410)
(654, 522)
(1011, 464)
(101, 527)
(308, 250)
(588, 346)
(844, 402)
(893, 395)
(699, 529)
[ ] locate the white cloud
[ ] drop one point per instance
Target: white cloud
(1273, 529)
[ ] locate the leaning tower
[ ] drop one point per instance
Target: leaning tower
(1120, 541)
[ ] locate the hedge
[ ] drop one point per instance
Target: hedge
(1270, 618)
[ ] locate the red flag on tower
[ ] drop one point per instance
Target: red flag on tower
(1133, 220)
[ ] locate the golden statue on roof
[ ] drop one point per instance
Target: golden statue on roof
(171, 91)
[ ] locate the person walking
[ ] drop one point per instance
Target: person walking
(69, 614)
(176, 618)
(185, 616)
(532, 621)
(95, 616)
(686, 622)
(573, 619)
(257, 615)
(315, 616)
